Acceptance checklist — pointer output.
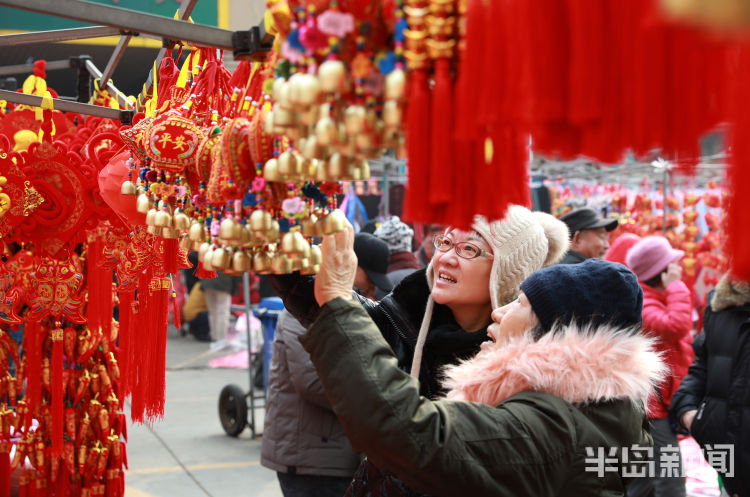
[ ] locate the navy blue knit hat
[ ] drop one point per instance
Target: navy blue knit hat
(593, 292)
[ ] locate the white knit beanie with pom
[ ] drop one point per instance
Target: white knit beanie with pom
(522, 242)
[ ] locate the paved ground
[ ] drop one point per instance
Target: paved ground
(188, 454)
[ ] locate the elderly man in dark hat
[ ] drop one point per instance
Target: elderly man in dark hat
(588, 235)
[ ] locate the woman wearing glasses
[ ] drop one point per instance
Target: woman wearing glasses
(439, 316)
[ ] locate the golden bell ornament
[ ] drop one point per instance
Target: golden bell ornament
(262, 263)
(143, 203)
(268, 125)
(392, 114)
(311, 168)
(150, 217)
(316, 256)
(325, 132)
(278, 84)
(208, 260)
(287, 243)
(283, 118)
(271, 171)
(241, 262)
(128, 188)
(334, 222)
(203, 250)
(332, 77)
(273, 234)
(395, 85)
(162, 219)
(284, 95)
(185, 242)
(227, 229)
(287, 163)
(196, 232)
(354, 119)
(221, 258)
(281, 264)
(261, 220)
(337, 166)
(181, 221)
(169, 233)
(320, 171)
(307, 226)
(303, 89)
(311, 269)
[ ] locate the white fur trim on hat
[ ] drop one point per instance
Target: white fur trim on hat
(396, 234)
(522, 242)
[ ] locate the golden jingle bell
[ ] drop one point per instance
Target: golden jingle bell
(332, 76)
(395, 85)
(392, 114)
(294, 243)
(303, 89)
(283, 118)
(262, 263)
(162, 219)
(271, 235)
(334, 222)
(281, 264)
(354, 119)
(278, 85)
(308, 227)
(207, 260)
(300, 264)
(287, 164)
(181, 221)
(143, 203)
(185, 242)
(316, 256)
(311, 149)
(228, 229)
(197, 233)
(271, 171)
(283, 95)
(337, 166)
(150, 216)
(326, 132)
(169, 233)
(204, 248)
(241, 262)
(261, 221)
(221, 258)
(128, 188)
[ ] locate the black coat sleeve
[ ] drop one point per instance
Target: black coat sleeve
(692, 389)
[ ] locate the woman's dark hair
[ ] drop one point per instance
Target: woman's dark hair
(655, 281)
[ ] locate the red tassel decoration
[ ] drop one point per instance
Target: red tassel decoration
(58, 419)
(33, 353)
(442, 163)
(159, 313)
(5, 468)
(176, 311)
(126, 342)
(416, 208)
(738, 176)
(171, 246)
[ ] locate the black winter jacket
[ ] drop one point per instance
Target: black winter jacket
(718, 382)
(398, 316)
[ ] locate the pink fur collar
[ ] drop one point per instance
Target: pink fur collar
(578, 365)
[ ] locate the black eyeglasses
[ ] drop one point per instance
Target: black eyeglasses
(465, 250)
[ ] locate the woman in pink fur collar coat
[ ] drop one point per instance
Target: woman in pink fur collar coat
(549, 407)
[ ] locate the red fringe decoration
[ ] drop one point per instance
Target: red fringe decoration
(5, 469)
(171, 247)
(442, 163)
(176, 312)
(141, 336)
(739, 171)
(202, 273)
(32, 350)
(159, 314)
(417, 208)
(57, 392)
(126, 342)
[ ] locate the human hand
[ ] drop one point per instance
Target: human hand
(687, 418)
(672, 274)
(339, 265)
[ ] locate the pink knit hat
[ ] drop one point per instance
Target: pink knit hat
(619, 248)
(651, 256)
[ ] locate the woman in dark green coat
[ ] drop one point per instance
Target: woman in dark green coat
(548, 408)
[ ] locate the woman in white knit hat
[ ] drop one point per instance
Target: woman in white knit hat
(439, 316)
